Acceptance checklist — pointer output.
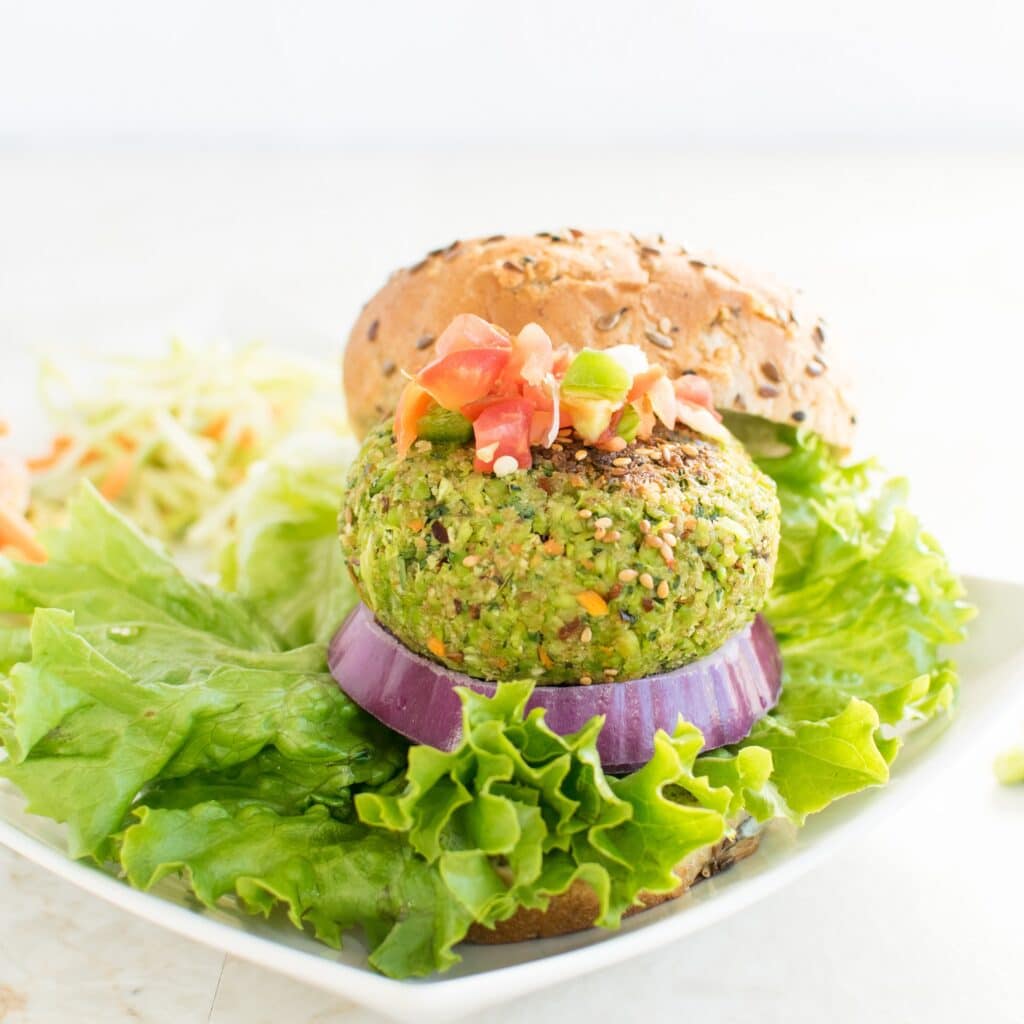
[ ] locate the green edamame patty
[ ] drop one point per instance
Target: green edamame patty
(590, 567)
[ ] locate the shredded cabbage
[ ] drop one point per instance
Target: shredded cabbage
(168, 438)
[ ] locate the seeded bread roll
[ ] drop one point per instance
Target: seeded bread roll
(576, 909)
(762, 350)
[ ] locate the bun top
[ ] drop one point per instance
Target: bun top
(761, 349)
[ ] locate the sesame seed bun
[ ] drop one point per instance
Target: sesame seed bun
(763, 352)
(577, 908)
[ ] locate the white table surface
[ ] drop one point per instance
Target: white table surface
(918, 261)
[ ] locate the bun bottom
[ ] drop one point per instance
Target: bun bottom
(576, 909)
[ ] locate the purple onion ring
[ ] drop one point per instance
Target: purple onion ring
(723, 694)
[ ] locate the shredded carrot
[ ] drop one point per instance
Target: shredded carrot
(436, 647)
(415, 525)
(113, 484)
(5, 428)
(545, 658)
(129, 444)
(592, 602)
(61, 443)
(246, 438)
(554, 547)
(90, 458)
(16, 532)
(216, 428)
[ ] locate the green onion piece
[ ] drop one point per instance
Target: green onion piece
(594, 374)
(629, 423)
(1009, 766)
(441, 426)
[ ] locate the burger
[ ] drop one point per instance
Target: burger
(619, 601)
(553, 487)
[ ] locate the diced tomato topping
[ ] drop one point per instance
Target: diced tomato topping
(532, 355)
(542, 396)
(461, 377)
(546, 411)
(413, 403)
(544, 427)
(473, 409)
(696, 390)
(643, 382)
(563, 357)
(466, 332)
(507, 424)
(662, 397)
(515, 393)
(648, 420)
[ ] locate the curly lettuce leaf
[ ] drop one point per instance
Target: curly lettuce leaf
(284, 555)
(863, 605)
(517, 814)
(331, 875)
(747, 775)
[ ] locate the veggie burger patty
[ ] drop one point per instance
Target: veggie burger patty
(591, 566)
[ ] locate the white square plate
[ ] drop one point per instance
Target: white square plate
(991, 662)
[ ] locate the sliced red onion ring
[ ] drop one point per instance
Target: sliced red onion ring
(722, 694)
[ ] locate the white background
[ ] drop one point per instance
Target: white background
(534, 73)
(241, 170)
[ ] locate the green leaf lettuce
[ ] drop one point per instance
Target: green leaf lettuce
(517, 814)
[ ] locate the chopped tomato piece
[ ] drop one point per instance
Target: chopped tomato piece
(459, 378)
(695, 390)
(468, 332)
(643, 382)
(563, 357)
(532, 358)
(648, 420)
(700, 419)
(543, 427)
(662, 397)
(413, 403)
(541, 397)
(547, 416)
(473, 409)
(505, 423)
